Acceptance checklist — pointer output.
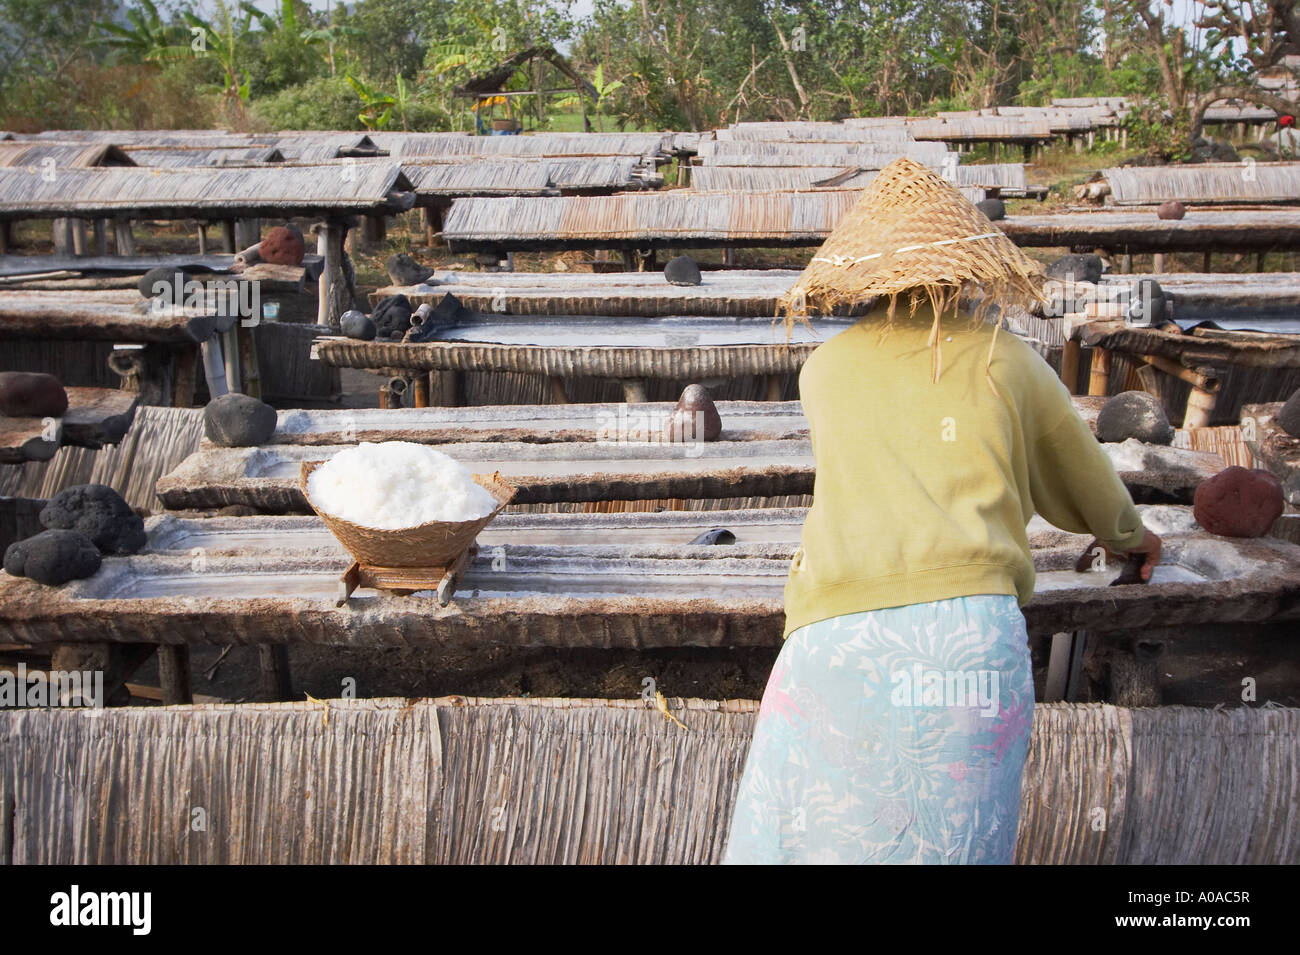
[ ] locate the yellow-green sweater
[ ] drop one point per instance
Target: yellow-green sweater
(923, 489)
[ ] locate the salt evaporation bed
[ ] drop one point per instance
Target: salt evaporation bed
(397, 484)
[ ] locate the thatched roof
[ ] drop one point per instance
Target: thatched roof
(65, 155)
(867, 155)
(419, 146)
(494, 80)
(198, 156)
(1205, 183)
(180, 193)
(796, 218)
(808, 132)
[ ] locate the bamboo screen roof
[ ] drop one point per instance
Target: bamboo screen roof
(178, 193)
(534, 145)
(1004, 128)
(221, 156)
(1205, 183)
(198, 138)
(479, 178)
(65, 155)
(817, 132)
(680, 214)
(742, 178)
(866, 155)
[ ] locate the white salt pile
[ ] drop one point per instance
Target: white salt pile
(396, 484)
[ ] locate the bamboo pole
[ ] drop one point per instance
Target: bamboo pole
(1099, 374)
(1070, 365)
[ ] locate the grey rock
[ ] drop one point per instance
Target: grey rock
(1147, 304)
(404, 270)
(1076, 268)
(995, 209)
(682, 271)
(98, 512)
(1288, 417)
(238, 421)
(1134, 414)
(53, 557)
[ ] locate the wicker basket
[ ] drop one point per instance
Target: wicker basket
(434, 544)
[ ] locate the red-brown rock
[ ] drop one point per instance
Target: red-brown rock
(1238, 502)
(1171, 210)
(282, 246)
(28, 394)
(695, 418)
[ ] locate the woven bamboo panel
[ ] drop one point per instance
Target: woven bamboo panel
(587, 781)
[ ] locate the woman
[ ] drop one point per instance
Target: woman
(896, 720)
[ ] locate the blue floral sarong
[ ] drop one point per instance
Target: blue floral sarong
(891, 736)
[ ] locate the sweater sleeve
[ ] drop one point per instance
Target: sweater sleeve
(1074, 486)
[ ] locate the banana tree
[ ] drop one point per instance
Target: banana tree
(147, 37)
(377, 111)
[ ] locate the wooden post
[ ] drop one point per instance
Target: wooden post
(334, 297)
(247, 232)
(558, 394)
(1070, 365)
(230, 346)
(186, 363)
(1158, 263)
(1206, 260)
(4, 237)
(78, 236)
(273, 663)
(203, 238)
(421, 391)
(449, 388)
(1259, 261)
(99, 230)
(228, 243)
(775, 387)
(1099, 374)
(634, 390)
(174, 674)
(250, 369)
(374, 229)
(629, 260)
(123, 237)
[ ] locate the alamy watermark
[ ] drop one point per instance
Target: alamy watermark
(224, 298)
(922, 686)
(41, 689)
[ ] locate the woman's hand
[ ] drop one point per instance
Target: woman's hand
(1150, 546)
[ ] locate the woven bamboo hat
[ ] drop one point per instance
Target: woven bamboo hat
(913, 232)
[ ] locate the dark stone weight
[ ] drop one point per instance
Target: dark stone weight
(427, 323)
(994, 209)
(1147, 303)
(695, 412)
(1076, 268)
(682, 271)
(1288, 418)
(238, 421)
(404, 270)
(53, 557)
(357, 324)
(719, 535)
(98, 512)
(1134, 414)
(31, 394)
(392, 317)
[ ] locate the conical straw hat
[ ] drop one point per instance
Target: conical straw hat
(912, 231)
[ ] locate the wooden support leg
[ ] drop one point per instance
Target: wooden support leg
(99, 230)
(1070, 365)
(115, 661)
(1099, 376)
(374, 230)
(775, 387)
(203, 238)
(1206, 259)
(1259, 261)
(274, 683)
(79, 237)
(123, 238)
(421, 391)
(174, 675)
(559, 396)
(629, 260)
(186, 362)
(1200, 407)
(230, 346)
(228, 236)
(1134, 676)
(248, 232)
(1158, 263)
(333, 295)
(250, 370)
(633, 390)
